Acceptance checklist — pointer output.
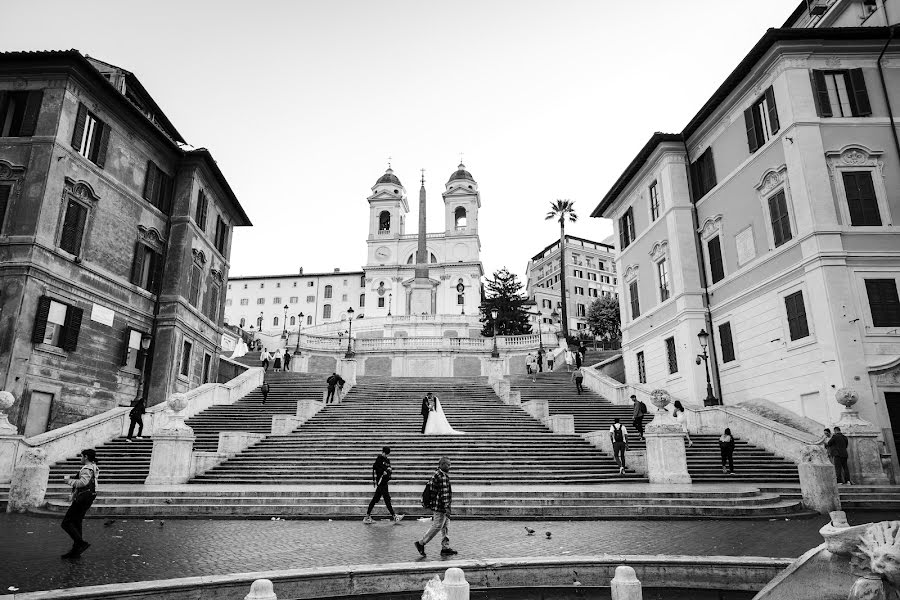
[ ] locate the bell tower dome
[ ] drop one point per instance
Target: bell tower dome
(387, 207)
(461, 203)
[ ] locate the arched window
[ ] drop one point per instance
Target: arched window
(328, 291)
(362, 300)
(309, 320)
(459, 215)
(275, 321)
(243, 322)
(326, 311)
(384, 221)
(293, 320)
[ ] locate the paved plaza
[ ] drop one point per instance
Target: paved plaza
(138, 550)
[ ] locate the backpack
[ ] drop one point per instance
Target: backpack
(617, 434)
(643, 409)
(427, 495)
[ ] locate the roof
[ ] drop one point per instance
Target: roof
(389, 177)
(759, 50)
(541, 254)
(294, 275)
(798, 12)
(461, 173)
(206, 157)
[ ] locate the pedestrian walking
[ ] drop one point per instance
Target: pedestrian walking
(287, 360)
(333, 381)
(619, 437)
(265, 391)
(579, 359)
(582, 350)
(578, 378)
(726, 449)
(681, 417)
(279, 356)
(824, 441)
(637, 415)
(381, 475)
(438, 496)
(570, 359)
(264, 358)
(540, 360)
(839, 443)
(550, 362)
(528, 364)
(136, 416)
(84, 490)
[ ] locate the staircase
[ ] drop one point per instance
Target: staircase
(593, 412)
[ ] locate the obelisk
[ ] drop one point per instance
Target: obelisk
(421, 289)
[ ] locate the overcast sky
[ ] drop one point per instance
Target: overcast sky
(302, 103)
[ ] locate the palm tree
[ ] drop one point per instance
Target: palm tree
(560, 210)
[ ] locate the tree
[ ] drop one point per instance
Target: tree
(504, 294)
(559, 210)
(604, 320)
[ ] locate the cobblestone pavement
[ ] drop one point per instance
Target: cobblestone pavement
(138, 550)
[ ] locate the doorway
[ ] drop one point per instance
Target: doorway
(38, 416)
(892, 401)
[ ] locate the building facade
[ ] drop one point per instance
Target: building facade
(114, 243)
(590, 272)
(770, 223)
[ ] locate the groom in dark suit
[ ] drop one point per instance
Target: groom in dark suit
(425, 410)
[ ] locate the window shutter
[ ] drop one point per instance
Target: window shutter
(102, 145)
(194, 293)
(80, 219)
(80, 120)
(40, 320)
(752, 142)
(156, 268)
(136, 266)
(126, 350)
(68, 239)
(5, 191)
(859, 93)
(773, 110)
(726, 342)
(622, 243)
(164, 202)
(32, 110)
(709, 169)
(72, 329)
(631, 234)
(820, 93)
(150, 181)
(716, 268)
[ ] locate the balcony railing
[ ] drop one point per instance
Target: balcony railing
(451, 344)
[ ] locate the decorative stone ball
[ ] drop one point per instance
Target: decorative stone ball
(454, 576)
(6, 401)
(846, 396)
(177, 402)
(261, 589)
(660, 398)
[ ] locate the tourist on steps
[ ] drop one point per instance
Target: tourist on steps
(726, 449)
(637, 417)
(578, 378)
(265, 391)
(824, 442)
(381, 475)
(439, 500)
(264, 359)
(333, 382)
(550, 362)
(619, 437)
(287, 360)
(136, 416)
(838, 442)
(540, 360)
(681, 417)
(84, 490)
(279, 355)
(528, 363)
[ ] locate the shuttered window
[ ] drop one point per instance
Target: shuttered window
(671, 356)
(703, 174)
(186, 348)
(133, 355)
(781, 222)
(202, 207)
(196, 280)
(883, 302)
(726, 342)
(861, 201)
(57, 324)
(19, 112)
(761, 120)
(716, 266)
(91, 136)
(642, 368)
(5, 193)
(654, 201)
(796, 316)
(72, 233)
(212, 306)
(626, 229)
(221, 240)
(146, 268)
(841, 93)
(634, 300)
(662, 272)
(207, 363)
(326, 311)
(158, 188)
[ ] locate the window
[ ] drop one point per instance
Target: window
(326, 311)
(146, 269)
(662, 272)
(546, 304)
(601, 265)
(5, 192)
(781, 222)
(761, 120)
(579, 290)
(158, 188)
(309, 320)
(202, 207)
(212, 303)
(328, 291)
(703, 174)
(294, 299)
(310, 298)
(861, 201)
(221, 239)
(592, 276)
(72, 234)
(592, 293)
(245, 301)
(196, 282)
(578, 273)
(796, 316)
(343, 297)
(460, 299)
(293, 321)
(384, 221)
(228, 302)
(883, 302)
(276, 300)
(133, 356)
(91, 136)
(310, 283)
(716, 266)
(604, 279)
(19, 113)
(57, 324)
(260, 300)
(580, 310)
(671, 356)
(275, 321)
(654, 201)
(207, 363)
(642, 368)
(186, 348)
(841, 93)
(262, 285)
(459, 216)
(626, 229)
(726, 342)
(381, 303)
(362, 300)
(278, 284)
(362, 281)
(633, 298)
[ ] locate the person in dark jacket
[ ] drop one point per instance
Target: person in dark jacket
(440, 502)
(726, 449)
(287, 360)
(136, 416)
(381, 475)
(837, 444)
(265, 391)
(333, 381)
(84, 490)
(637, 415)
(427, 404)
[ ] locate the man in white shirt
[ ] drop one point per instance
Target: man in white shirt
(619, 436)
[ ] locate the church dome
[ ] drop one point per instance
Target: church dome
(389, 177)
(461, 173)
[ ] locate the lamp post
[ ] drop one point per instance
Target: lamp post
(146, 338)
(252, 339)
(494, 313)
(299, 325)
(390, 298)
(710, 399)
(284, 332)
(461, 290)
(349, 333)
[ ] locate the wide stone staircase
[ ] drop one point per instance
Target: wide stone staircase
(593, 412)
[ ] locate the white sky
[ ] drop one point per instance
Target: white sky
(302, 102)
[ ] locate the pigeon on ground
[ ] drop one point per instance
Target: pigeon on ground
(548, 535)
(529, 530)
(162, 523)
(109, 522)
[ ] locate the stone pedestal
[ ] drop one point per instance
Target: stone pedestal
(202, 461)
(261, 589)
(502, 389)
(171, 462)
(494, 370)
(625, 585)
(864, 449)
(539, 409)
(455, 584)
(285, 424)
(560, 423)
(666, 457)
(420, 292)
(10, 446)
(29, 481)
(307, 409)
(514, 399)
(346, 368)
(817, 481)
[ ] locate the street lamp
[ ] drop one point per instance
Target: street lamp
(495, 353)
(461, 290)
(349, 353)
(252, 339)
(284, 333)
(299, 325)
(141, 362)
(390, 298)
(710, 399)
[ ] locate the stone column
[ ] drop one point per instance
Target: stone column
(817, 482)
(666, 457)
(864, 448)
(346, 368)
(171, 460)
(29, 481)
(455, 584)
(625, 585)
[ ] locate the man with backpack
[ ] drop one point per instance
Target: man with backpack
(438, 496)
(637, 417)
(619, 436)
(381, 475)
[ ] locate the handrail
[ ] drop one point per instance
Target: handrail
(527, 342)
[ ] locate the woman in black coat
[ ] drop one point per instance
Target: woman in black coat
(726, 448)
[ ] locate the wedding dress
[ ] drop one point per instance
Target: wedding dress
(437, 423)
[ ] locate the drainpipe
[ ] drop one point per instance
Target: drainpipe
(887, 99)
(713, 356)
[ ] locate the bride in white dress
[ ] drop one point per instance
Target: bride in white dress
(437, 423)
